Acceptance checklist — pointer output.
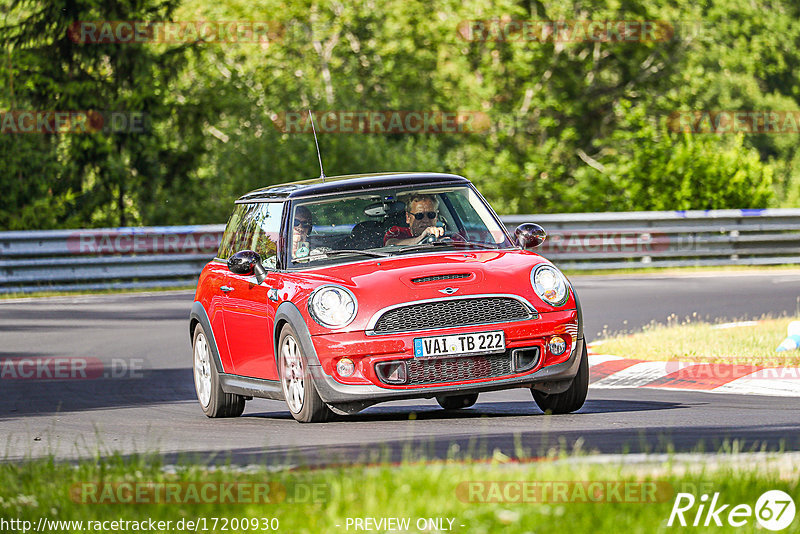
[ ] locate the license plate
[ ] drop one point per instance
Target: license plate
(479, 343)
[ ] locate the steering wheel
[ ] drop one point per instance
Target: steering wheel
(430, 238)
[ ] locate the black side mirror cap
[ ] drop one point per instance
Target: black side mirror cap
(247, 262)
(529, 235)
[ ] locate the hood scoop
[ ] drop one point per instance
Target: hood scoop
(440, 277)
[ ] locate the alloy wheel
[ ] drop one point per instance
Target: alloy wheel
(293, 376)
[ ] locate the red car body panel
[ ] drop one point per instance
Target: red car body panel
(249, 313)
(211, 296)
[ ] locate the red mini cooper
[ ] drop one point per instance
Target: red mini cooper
(334, 294)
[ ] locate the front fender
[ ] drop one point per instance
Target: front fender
(288, 312)
(199, 315)
(580, 312)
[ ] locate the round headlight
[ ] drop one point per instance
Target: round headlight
(332, 306)
(550, 284)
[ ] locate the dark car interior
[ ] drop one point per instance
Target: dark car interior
(365, 235)
(375, 218)
(369, 234)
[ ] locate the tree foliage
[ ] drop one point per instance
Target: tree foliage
(574, 126)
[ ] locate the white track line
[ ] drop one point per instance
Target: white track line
(639, 374)
(595, 359)
(784, 382)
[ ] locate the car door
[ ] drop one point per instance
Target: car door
(247, 311)
(216, 275)
(216, 281)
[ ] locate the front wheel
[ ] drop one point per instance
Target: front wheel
(214, 401)
(571, 399)
(299, 391)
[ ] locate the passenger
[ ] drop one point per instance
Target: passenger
(303, 223)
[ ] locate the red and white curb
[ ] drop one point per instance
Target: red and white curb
(614, 372)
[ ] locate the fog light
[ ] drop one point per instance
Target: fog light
(524, 359)
(345, 367)
(392, 372)
(557, 346)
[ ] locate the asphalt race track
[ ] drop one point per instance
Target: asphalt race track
(142, 398)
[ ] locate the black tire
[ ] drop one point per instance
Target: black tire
(219, 403)
(307, 407)
(573, 398)
(457, 402)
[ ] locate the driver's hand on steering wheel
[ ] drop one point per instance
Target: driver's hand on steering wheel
(435, 231)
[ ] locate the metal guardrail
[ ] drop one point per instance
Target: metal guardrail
(592, 241)
(105, 258)
(172, 256)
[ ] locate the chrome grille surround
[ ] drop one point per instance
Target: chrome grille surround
(452, 312)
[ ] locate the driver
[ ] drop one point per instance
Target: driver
(422, 216)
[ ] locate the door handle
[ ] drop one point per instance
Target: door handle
(226, 288)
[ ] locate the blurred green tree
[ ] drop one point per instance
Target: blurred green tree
(575, 125)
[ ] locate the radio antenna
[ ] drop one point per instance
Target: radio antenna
(313, 129)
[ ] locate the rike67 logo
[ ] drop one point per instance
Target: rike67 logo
(774, 510)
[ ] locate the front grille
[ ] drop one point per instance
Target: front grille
(457, 369)
(439, 277)
(451, 313)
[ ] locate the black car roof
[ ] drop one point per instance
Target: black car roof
(347, 183)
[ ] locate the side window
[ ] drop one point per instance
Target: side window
(226, 246)
(253, 227)
(266, 223)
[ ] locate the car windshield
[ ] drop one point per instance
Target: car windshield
(391, 222)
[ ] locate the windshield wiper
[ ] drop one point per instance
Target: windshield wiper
(353, 251)
(474, 244)
(451, 243)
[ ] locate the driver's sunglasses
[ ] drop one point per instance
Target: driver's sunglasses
(421, 215)
(303, 224)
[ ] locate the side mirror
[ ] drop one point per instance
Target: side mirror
(247, 262)
(529, 235)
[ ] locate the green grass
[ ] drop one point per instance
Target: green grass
(691, 340)
(319, 500)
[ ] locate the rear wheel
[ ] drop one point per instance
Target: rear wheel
(299, 391)
(214, 401)
(571, 399)
(457, 402)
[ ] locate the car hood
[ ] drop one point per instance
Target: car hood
(384, 282)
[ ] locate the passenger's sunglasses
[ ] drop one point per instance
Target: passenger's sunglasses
(303, 224)
(421, 215)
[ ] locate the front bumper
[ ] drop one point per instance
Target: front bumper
(551, 376)
(352, 398)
